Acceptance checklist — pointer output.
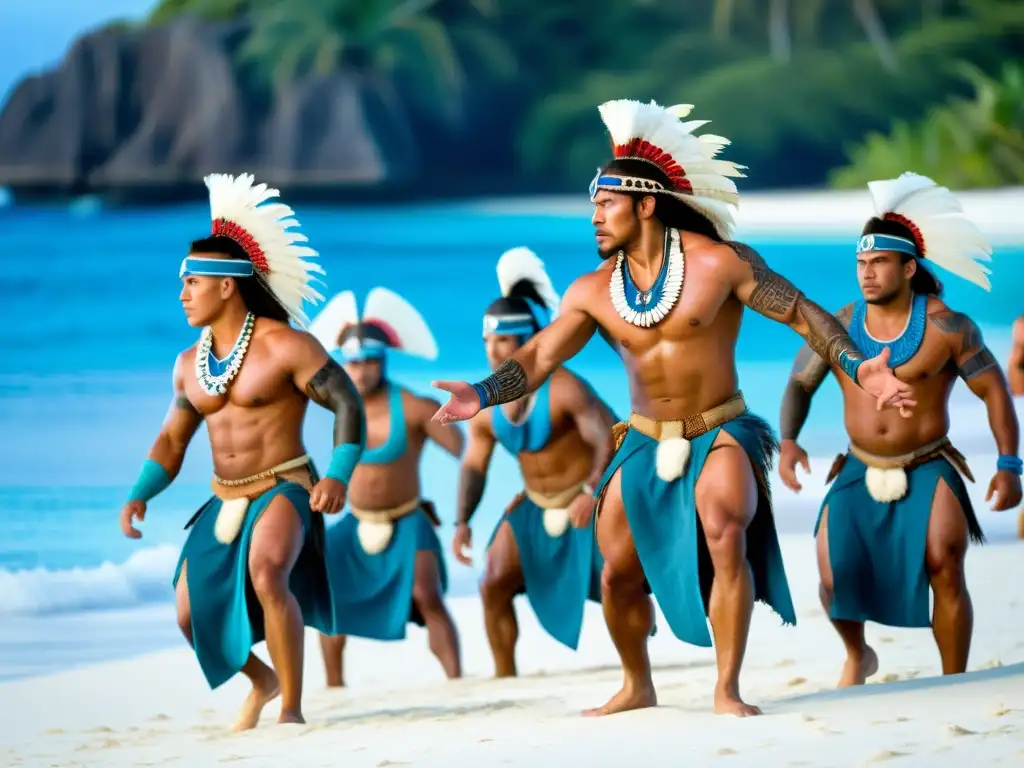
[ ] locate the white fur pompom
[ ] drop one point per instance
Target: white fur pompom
(886, 485)
(671, 458)
(556, 521)
(374, 537)
(229, 519)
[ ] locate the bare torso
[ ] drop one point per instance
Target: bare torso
(932, 373)
(385, 486)
(257, 424)
(566, 459)
(686, 364)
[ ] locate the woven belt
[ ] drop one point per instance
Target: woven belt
(557, 500)
(386, 515)
(904, 460)
(692, 426)
(254, 485)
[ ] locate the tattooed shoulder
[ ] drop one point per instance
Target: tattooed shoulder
(773, 295)
(959, 324)
(182, 402)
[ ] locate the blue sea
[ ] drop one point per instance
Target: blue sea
(91, 324)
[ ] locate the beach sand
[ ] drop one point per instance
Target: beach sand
(399, 711)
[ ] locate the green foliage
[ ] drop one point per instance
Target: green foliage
(975, 142)
(791, 83)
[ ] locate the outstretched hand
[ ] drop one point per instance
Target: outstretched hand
(877, 379)
(463, 404)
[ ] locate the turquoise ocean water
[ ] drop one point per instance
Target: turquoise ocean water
(91, 325)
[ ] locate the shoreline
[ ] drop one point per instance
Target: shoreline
(762, 214)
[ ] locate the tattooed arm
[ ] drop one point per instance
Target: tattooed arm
(773, 296)
(1015, 369)
(180, 425)
(325, 382)
(167, 454)
(475, 461)
(537, 359)
(808, 372)
(977, 366)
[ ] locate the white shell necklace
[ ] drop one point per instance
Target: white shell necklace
(636, 308)
(217, 384)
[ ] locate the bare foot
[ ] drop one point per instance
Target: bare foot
(857, 670)
(258, 698)
(288, 716)
(629, 697)
(730, 703)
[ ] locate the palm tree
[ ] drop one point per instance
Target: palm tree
(778, 29)
(871, 21)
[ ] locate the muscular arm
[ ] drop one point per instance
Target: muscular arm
(475, 461)
(448, 436)
(593, 420)
(808, 373)
(179, 427)
(978, 367)
(536, 360)
(1015, 369)
(325, 382)
(770, 294)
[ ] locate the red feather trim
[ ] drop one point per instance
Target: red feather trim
(245, 240)
(644, 150)
(918, 237)
(387, 330)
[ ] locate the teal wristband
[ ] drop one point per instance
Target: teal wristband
(153, 479)
(343, 461)
(849, 365)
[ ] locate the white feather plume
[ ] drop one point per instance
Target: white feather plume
(290, 274)
(518, 264)
(339, 313)
(951, 240)
(714, 192)
(398, 315)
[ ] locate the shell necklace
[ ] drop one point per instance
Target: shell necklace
(648, 308)
(215, 375)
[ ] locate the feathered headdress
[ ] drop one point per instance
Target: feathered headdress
(388, 322)
(656, 135)
(940, 232)
(267, 234)
(528, 299)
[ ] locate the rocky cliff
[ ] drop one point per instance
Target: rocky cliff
(141, 114)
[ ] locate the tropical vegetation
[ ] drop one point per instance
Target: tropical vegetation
(808, 90)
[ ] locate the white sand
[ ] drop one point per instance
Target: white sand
(399, 711)
(822, 213)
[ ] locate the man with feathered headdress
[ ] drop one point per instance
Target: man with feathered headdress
(897, 516)
(384, 557)
(685, 510)
(561, 438)
(250, 378)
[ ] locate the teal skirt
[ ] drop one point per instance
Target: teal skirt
(670, 539)
(227, 620)
(559, 574)
(877, 550)
(372, 594)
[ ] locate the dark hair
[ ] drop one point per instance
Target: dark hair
(255, 295)
(518, 302)
(670, 211)
(923, 282)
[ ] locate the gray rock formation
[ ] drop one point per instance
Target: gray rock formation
(145, 113)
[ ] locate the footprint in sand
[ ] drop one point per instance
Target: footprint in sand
(726, 751)
(886, 640)
(158, 718)
(992, 664)
(796, 681)
(956, 730)
(386, 763)
(101, 729)
(808, 718)
(54, 732)
(785, 663)
(1001, 711)
(886, 754)
(892, 677)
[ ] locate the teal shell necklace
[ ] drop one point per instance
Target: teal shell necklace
(904, 346)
